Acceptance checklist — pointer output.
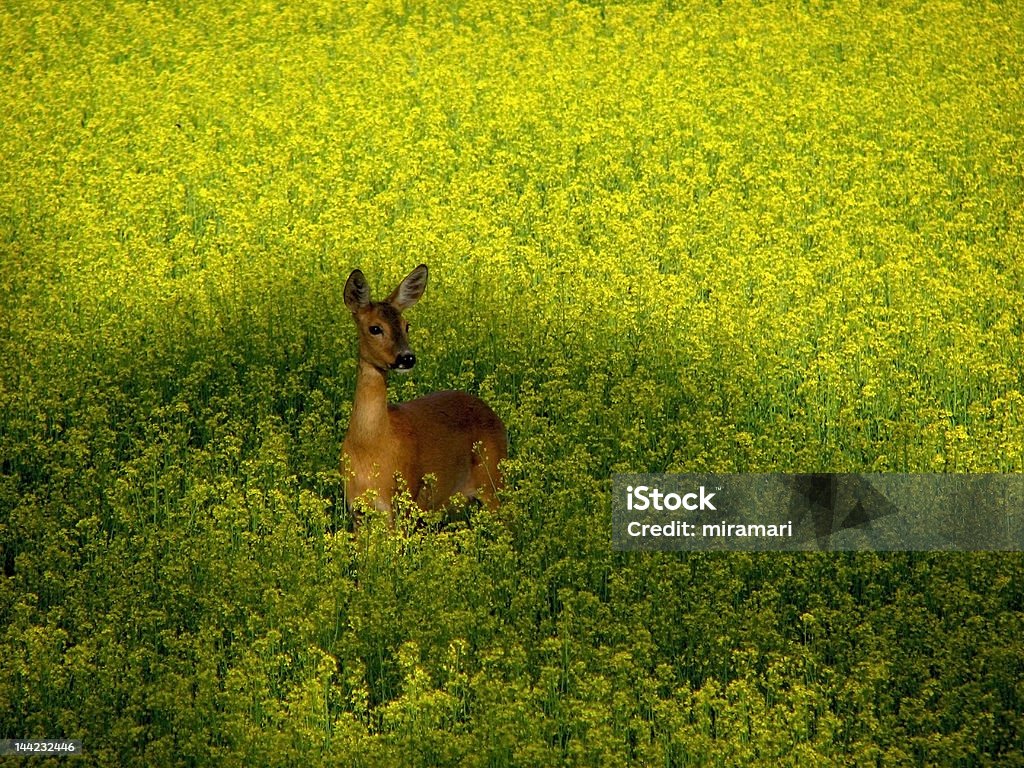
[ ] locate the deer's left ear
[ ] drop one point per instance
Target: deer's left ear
(357, 291)
(409, 290)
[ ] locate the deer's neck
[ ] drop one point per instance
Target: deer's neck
(370, 408)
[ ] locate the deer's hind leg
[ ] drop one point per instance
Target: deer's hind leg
(485, 478)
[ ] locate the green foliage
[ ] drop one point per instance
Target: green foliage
(664, 236)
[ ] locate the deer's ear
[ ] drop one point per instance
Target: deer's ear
(409, 290)
(357, 291)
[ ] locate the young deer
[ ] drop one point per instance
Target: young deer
(452, 436)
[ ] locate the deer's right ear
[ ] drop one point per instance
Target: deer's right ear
(409, 290)
(357, 291)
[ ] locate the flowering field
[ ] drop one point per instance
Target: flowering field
(675, 236)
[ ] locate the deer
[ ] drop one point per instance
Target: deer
(439, 445)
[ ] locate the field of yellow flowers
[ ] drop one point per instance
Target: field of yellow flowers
(667, 236)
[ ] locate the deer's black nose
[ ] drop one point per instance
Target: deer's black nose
(405, 361)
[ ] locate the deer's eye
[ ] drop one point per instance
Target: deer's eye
(376, 330)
